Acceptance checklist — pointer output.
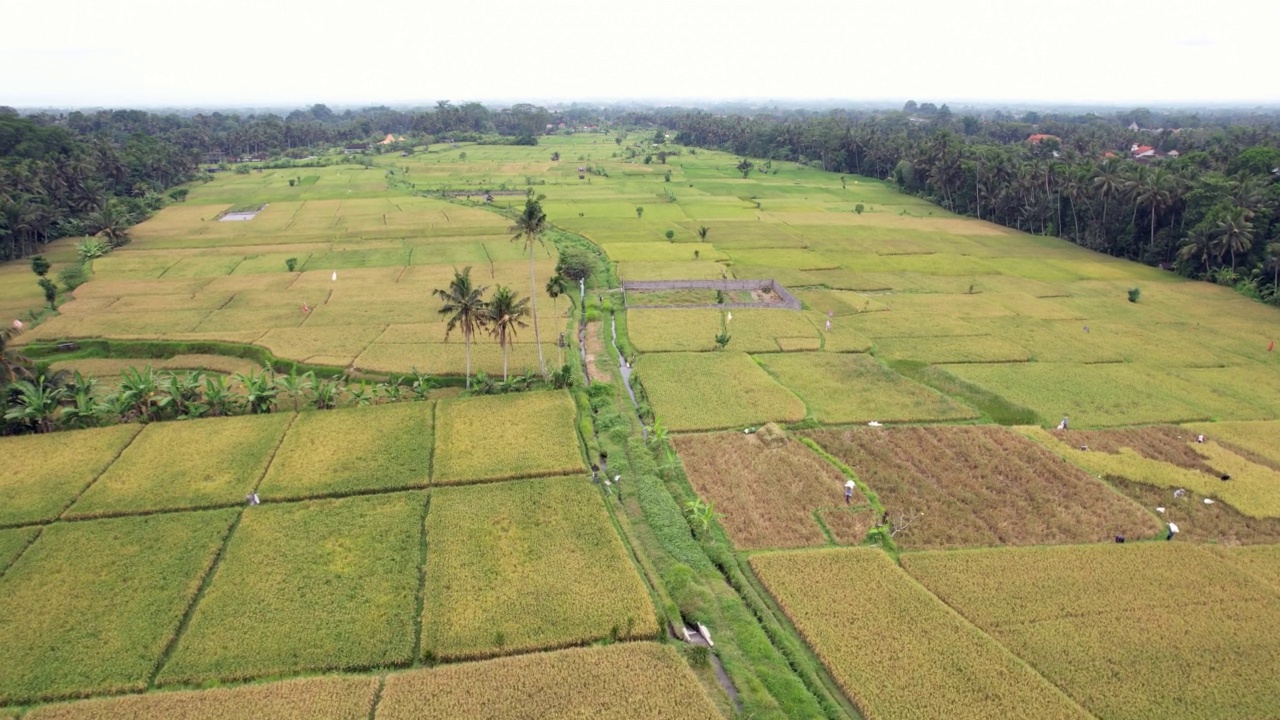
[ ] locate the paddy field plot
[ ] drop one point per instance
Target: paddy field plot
(715, 390)
(337, 697)
(1108, 394)
(45, 473)
(12, 542)
(1128, 631)
(893, 648)
(1252, 488)
(91, 606)
(1213, 522)
(982, 485)
(1260, 561)
(107, 369)
(1258, 439)
(352, 450)
(497, 437)
(320, 585)
(184, 465)
(768, 494)
(527, 565)
(850, 388)
(623, 681)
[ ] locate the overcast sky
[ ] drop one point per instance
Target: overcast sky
(144, 53)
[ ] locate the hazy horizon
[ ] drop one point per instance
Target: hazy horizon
(149, 54)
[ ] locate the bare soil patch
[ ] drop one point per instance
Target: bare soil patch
(967, 486)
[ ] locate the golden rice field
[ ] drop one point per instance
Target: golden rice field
(499, 437)
(91, 606)
(45, 473)
(637, 680)
(1251, 489)
(311, 586)
(104, 368)
(527, 565)
(13, 542)
(713, 391)
(1128, 631)
(351, 450)
(336, 697)
(185, 465)
(893, 648)
(1254, 437)
(768, 495)
(1260, 561)
(854, 388)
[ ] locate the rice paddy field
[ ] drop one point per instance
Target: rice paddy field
(452, 557)
(1216, 653)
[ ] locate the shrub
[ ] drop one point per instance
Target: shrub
(72, 277)
(1134, 294)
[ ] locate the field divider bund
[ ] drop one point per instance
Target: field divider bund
(205, 581)
(62, 513)
(420, 597)
(789, 301)
(23, 551)
(377, 697)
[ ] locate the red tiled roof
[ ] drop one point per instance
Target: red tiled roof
(1041, 136)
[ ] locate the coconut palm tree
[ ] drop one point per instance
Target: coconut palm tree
(529, 227)
(466, 309)
(1156, 192)
(1235, 234)
(1273, 259)
(557, 285)
(1199, 245)
(507, 314)
(1108, 182)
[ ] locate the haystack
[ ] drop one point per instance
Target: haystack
(772, 435)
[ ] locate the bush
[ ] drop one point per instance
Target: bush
(291, 263)
(671, 234)
(1134, 294)
(72, 277)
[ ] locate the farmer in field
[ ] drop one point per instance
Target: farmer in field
(1063, 425)
(848, 492)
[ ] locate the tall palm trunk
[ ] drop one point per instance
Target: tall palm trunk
(533, 300)
(466, 336)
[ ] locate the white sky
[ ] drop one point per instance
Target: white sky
(170, 53)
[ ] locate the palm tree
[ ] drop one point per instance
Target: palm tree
(1199, 245)
(506, 313)
(464, 304)
(1156, 192)
(557, 285)
(1273, 259)
(530, 226)
(702, 232)
(1235, 234)
(1108, 182)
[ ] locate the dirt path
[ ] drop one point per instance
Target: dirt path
(595, 349)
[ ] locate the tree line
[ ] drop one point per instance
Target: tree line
(1204, 200)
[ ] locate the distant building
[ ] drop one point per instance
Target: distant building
(1041, 137)
(354, 148)
(1138, 152)
(1134, 126)
(390, 139)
